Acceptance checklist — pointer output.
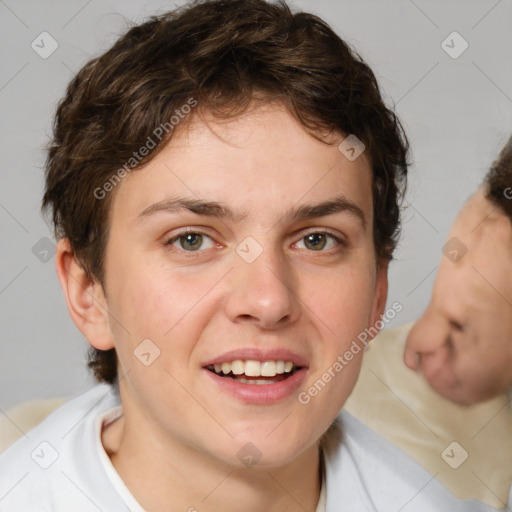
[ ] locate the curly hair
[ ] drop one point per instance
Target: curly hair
(222, 54)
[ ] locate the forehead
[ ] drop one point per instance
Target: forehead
(480, 274)
(261, 162)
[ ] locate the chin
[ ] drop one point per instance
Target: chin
(470, 396)
(463, 400)
(261, 451)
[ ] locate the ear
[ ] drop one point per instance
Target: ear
(85, 298)
(381, 293)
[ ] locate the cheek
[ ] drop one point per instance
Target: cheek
(150, 303)
(143, 303)
(341, 307)
(479, 369)
(342, 301)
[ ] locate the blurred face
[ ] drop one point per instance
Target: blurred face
(240, 265)
(463, 341)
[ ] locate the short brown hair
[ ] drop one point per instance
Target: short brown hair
(222, 54)
(498, 180)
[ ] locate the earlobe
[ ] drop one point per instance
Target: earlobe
(84, 297)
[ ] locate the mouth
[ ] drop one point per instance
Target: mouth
(255, 372)
(257, 377)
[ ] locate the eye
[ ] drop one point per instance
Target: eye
(319, 241)
(191, 241)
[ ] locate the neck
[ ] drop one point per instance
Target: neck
(191, 480)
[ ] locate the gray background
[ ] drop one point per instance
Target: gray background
(457, 113)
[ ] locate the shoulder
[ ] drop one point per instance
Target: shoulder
(53, 465)
(401, 407)
(374, 475)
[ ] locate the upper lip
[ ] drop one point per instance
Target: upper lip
(257, 354)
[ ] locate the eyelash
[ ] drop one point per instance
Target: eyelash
(168, 243)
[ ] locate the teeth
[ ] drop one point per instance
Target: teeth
(258, 381)
(268, 369)
(237, 367)
(253, 368)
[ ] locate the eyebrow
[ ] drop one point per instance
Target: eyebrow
(339, 204)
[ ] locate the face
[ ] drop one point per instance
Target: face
(462, 342)
(243, 255)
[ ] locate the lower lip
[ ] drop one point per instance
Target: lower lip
(260, 393)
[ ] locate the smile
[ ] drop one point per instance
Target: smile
(251, 371)
(257, 382)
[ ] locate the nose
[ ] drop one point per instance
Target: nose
(426, 345)
(263, 293)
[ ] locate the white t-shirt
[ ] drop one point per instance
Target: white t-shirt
(61, 466)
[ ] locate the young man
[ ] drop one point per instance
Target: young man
(462, 342)
(224, 185)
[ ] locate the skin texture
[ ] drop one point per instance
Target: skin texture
(197, 305)
(462, 343)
